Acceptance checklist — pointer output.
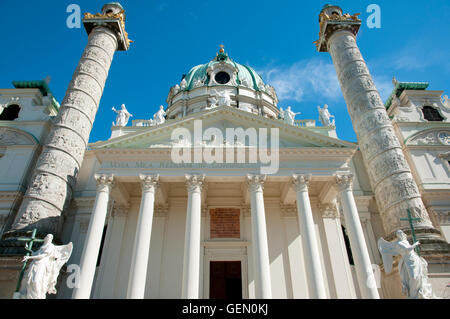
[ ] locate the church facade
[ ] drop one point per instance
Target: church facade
(223, 194)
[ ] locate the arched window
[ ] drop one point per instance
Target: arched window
(431, 114)
(10, 113)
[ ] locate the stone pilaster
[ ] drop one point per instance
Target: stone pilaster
(389, 173)
(51, 186)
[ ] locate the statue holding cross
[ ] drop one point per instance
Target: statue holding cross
(412, 268)
(42, 274)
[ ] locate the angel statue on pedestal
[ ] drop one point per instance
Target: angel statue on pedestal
(412, 268)
(42, 274)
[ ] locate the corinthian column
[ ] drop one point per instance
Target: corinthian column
(141, 250)
(309, 240)
(191, 262)
(51, 186)
(93, 238)
(389, 173)
(363, 266)
(261, 262)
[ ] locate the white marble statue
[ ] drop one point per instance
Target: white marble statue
(159, 116)
(224, 98)
(325, 116)
(212, 101)
(122, 116)
(42, 274)
(412, 268)
(183, 84)
(176, 89)
(289, 116)
(281, 114)
(2, 107)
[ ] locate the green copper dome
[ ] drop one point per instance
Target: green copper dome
(245, 75)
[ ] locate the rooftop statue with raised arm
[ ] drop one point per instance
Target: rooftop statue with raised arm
(122, 116)
(289, 116)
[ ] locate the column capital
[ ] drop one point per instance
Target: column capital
(149, 183)
(344, 181)
(300, 182)
(194, 182)
(331, 20)
(112, 17)
(104, 182)
(328, 210)
(255, 182)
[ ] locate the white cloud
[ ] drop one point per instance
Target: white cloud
(303, 80)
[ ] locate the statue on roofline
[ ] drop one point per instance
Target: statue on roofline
(325, 116)
(122, 116)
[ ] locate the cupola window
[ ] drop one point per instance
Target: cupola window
(222, 77)
(10, 113)
(431, 114)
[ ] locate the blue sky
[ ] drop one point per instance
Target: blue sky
(274, 37)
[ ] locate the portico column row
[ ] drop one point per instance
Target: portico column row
(364, 272)
(93, 237)
(309, 240)
(191, 262)
(141, 249)
(263, 285)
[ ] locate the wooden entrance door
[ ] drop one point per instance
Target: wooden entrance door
(225, 280)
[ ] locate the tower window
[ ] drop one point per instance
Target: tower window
(431, 114)
(10, 113)
(222, 77)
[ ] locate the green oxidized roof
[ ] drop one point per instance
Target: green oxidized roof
(39, 84)
(401, 86)
(244, 72)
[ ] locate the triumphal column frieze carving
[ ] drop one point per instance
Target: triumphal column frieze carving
(51, 186)
(389, 173)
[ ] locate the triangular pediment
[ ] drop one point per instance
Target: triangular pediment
(221, 120)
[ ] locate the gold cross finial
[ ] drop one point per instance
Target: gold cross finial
(221, 48)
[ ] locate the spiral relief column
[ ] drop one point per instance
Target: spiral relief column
(51, 186)
(389, 173)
